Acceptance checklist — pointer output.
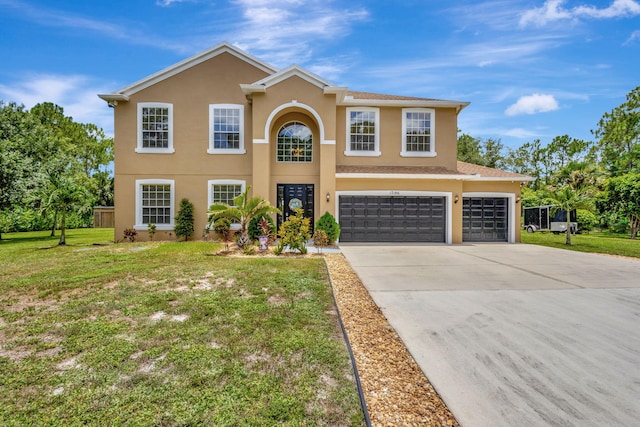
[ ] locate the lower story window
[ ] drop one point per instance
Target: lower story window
(224, 191)
(154, 204)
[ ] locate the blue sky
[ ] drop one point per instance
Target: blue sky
(530, 68)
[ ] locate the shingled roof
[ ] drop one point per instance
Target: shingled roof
(465, 171)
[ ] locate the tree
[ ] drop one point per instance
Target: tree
(619, 136)
(35, 144)
(623, 197)
(483, 152)
(184, 220)
(569, 199)
(243, 210)
(65, 194)
(469, 149)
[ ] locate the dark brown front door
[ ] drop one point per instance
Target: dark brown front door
(294, 196)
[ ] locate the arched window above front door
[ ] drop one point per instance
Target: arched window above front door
(295, 143)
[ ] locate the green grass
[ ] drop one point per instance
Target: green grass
(596, 242)
(166, 334)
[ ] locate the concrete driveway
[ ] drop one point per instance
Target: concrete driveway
(515, 335)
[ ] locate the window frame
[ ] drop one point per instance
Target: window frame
(376, 151)
(160, 227)
(162, 150)
(241, 147)
(210, 183)
(432, 133)
(294, 122)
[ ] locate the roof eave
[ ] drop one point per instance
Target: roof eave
(114, 98)
(352, 102)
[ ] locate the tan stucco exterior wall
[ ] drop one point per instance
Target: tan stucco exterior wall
(217, 81)
(212, 82)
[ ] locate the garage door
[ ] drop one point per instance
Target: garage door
(392, 219)
(485, 219)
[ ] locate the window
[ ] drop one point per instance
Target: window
(155, 128)
(418, 132)
(226, 129)
(295, 143)
(224, 191)
(154, 203)
(363, 131)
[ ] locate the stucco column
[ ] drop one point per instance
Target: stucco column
(456, 214)
(327, 179)
(261, 171)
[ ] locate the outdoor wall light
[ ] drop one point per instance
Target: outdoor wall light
(518, 199)
(456, 198)
(328, 197)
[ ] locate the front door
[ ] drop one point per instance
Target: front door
(292, 197)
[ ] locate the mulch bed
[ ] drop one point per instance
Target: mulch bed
(396, 391)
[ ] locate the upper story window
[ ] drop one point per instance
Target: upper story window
(154, 203)
(418, 132)
(226, 129)
(295, 143)
(363, 131)
(155, 128)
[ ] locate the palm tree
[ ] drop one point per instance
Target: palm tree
(243, 210)
(568, 199)
(64, 194)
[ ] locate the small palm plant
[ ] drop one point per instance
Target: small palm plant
(569, 199)
(244, 209)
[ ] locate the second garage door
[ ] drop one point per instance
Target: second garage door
(485, 219)
(392, 219)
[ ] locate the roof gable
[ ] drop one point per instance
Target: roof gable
(287, 73)
(191, 62)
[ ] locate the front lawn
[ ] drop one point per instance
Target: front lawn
(166, 334)
(596, 242)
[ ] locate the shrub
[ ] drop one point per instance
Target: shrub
(130, 234)
(587, 220)
(184, 220)
(328, 224)
(320, 239)
(255, 229)
(151, 229)
(222, 226)
(294, 233)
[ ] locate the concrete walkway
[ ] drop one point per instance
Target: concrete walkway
(515, 335)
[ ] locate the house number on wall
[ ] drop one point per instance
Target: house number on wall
(394, 192)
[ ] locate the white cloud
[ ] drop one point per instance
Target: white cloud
(76, 94)
(532, 104)
(553, 10)
(633, 37)
(267, 26)
(618, 8)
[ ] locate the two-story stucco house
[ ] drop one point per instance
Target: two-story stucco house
(385, 166)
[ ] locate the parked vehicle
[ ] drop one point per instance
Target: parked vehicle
(544, 218)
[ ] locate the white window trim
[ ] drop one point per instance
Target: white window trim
(139, 147)
(212, 182)
(212, 149)
(349, 151)
(160, 227)
(432, 145)
(278, 140)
